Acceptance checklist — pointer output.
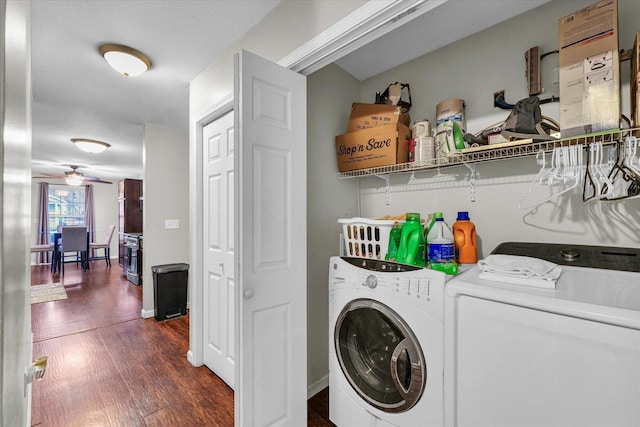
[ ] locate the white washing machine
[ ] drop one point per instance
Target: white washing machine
(525, 356)
(385, 349)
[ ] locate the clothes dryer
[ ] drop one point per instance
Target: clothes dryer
(385, 349)
(525, 356)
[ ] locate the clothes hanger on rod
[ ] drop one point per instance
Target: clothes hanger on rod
(562, 172)
(629, 185)
(591, 186)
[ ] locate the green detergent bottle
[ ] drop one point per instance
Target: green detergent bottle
(411, 247)
(394, 241)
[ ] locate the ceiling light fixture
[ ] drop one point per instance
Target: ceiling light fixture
(125, 60)
(90, 145)
(74, 180)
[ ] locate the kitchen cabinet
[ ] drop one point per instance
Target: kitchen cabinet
(129, 212)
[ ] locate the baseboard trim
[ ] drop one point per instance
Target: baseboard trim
(146, 314)
(317, 386)
(192, 359)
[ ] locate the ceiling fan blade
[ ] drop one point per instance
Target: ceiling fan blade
(73, 173)
(53, 175)
(98, 180)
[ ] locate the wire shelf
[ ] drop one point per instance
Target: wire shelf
(522, 148)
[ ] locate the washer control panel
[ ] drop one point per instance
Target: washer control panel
(380, 265)
(407, 284)
(423, 287)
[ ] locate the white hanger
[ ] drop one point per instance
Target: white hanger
(560, 160)
(601, 175)
(631, 148)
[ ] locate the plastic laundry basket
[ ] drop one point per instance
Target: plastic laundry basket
(366, 238)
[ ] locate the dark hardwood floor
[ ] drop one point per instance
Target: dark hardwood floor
(110, 367)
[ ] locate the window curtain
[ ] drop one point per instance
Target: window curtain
(43, 224)
(90, 215)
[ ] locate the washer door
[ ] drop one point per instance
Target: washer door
(380, 355)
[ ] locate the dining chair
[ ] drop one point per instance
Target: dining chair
(48, 247)
(74, 239)
(106, 244)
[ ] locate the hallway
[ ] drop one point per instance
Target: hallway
(109, 367)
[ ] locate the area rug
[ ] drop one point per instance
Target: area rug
(47, 292)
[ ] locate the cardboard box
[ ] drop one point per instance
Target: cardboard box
(366, 116)
(589, 70)
(368, 148)
(634, 79)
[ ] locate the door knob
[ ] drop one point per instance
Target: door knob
(248, 293)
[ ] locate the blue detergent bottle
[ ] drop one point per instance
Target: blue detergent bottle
(411, 247)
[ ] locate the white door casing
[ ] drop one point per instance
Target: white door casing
(271, 183)
(15, 212)
(217, 250)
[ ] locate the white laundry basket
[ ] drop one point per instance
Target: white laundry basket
(366, 238)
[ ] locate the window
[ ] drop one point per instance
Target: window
(66, 206)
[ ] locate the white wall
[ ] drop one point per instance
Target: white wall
(327, 200)
(472, 69)
(105, 198)
(288, 26)
(166, 196)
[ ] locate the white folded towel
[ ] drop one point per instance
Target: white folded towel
(519, 270)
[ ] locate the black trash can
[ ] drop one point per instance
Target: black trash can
(170, 290)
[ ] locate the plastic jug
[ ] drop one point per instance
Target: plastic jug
(434, 216)
(440, 242)
(432, 221)
(411, 247)
(394, 242)
(464, 236)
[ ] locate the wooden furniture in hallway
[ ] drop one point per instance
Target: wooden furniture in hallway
(109, 367)
(129, 212)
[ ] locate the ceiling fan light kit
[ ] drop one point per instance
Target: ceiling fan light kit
(74, 180)
(90, 145)
(124, 59)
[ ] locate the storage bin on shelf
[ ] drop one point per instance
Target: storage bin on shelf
(366, 238)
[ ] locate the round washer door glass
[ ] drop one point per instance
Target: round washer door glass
(379, 355)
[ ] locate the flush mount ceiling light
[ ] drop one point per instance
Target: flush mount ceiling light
(125, 60)
(90, 145)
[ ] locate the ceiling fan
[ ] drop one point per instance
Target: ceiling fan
(73, 177)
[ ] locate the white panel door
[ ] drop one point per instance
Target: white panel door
(217, 238)
(270, 165)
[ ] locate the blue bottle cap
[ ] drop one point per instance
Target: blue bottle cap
(462, 216)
